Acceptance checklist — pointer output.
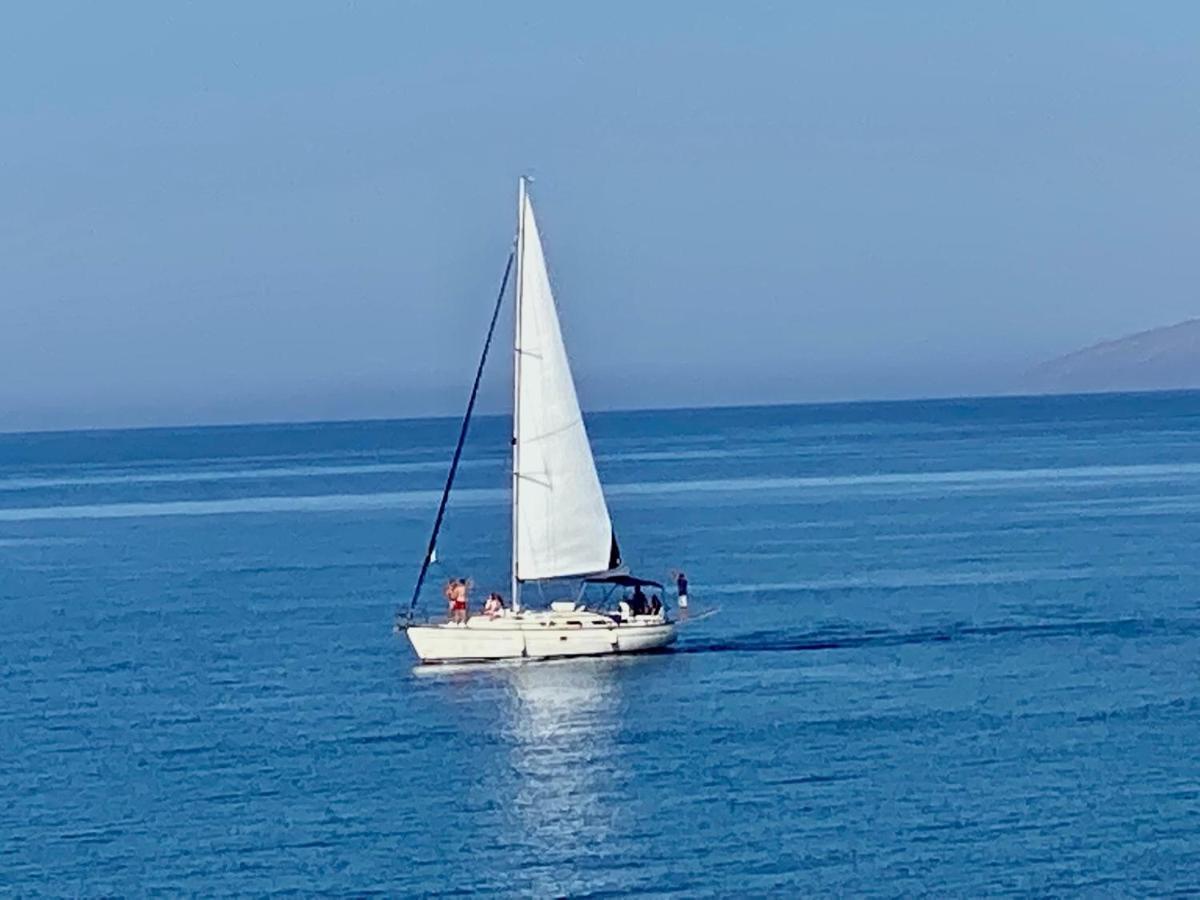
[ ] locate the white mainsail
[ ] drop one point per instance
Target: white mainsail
(561, 520)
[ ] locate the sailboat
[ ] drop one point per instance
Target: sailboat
(561, 528)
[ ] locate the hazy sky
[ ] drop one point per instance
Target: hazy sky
(232, 211)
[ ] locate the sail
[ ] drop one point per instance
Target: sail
(561, 519)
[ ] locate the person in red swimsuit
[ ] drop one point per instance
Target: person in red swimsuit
(456, 599)
(459, 603)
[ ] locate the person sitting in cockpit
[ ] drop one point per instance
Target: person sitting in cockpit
(639, 601)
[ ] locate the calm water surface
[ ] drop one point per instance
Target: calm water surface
(957, 650)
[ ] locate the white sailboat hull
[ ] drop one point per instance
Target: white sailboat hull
(539, 636)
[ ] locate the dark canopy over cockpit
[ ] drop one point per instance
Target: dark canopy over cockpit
(623, 581)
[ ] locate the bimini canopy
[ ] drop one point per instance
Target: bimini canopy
(624, 581)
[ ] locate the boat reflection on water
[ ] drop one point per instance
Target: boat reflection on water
(563, 721)
(566, 786)
(563, 726)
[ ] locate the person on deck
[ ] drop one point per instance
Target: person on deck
(457, 594)
(494, 606)
(655, 605)
(639, 601)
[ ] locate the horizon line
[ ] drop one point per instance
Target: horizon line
(860, 401)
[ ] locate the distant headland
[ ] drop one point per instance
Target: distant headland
(1159, 359)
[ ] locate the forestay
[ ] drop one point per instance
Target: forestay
(562, 521)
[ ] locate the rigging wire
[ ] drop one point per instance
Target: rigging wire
(462, 438)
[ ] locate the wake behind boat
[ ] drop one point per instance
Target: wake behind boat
(561, 528)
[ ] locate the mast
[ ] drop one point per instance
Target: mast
(516, 456)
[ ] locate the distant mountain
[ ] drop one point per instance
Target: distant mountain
(1159, 359)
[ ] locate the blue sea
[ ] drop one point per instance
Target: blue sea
(948, 647)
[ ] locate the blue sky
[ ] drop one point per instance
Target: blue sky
(230, 212)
